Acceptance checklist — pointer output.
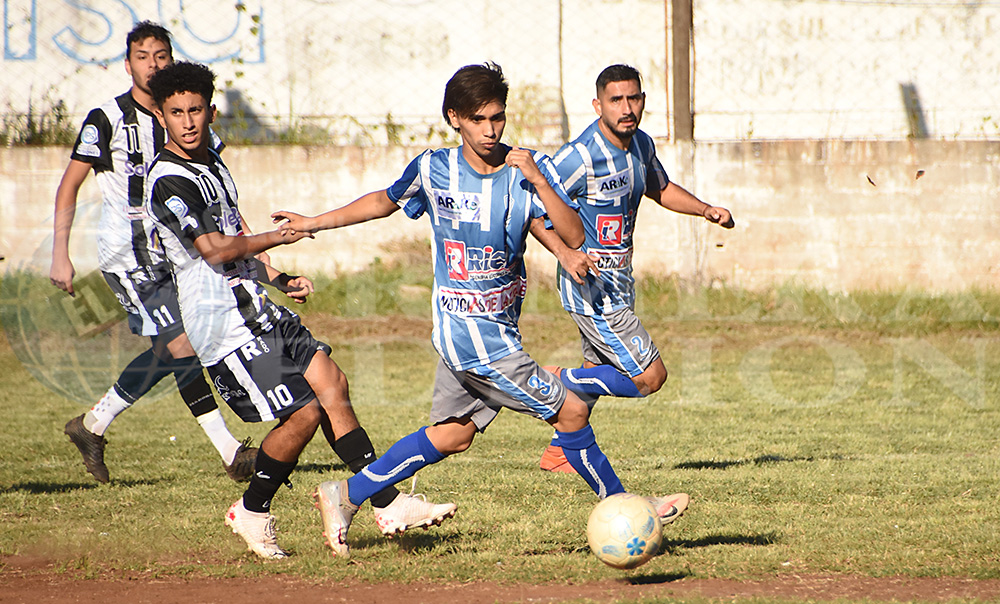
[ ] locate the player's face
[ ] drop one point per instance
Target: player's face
(186, 118)
(620, 107)
(145, 58)
(482, 130)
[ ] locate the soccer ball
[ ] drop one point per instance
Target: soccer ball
(624, 531)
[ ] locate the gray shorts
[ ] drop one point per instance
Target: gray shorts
(617, 339)
(516, 382)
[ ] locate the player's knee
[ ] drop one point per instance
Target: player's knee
(452, 437)
(573, 415)
(651, 380)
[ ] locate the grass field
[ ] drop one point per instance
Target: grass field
(847, 434)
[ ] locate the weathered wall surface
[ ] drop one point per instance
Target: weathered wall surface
(840, 215)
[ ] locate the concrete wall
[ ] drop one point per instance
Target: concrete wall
(352, 70)
(841, 215)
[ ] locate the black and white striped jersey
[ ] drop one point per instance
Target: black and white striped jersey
(222, 306)
(120, 139)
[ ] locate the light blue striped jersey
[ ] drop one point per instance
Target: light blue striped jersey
(608, 185)
(480, 223)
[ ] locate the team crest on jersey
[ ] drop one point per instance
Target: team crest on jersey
(609, 229)
(614, 185)
(456, 205)
(474, 263)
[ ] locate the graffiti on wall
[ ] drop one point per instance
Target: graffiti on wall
(93, 31)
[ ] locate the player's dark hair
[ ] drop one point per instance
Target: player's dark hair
(147, 29)
(472, 87)
(618, 73)
(182, 77)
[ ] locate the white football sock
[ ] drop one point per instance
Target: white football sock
(104, 412)
(214, 426)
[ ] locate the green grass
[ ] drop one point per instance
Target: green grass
(816, 433)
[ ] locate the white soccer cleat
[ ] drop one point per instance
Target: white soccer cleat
(412, 511)
(669, 508)
(337, 511)
(257, 529)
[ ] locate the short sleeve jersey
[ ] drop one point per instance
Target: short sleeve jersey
(223, 306)
(119, 139)
(608, 184)
(480, 223)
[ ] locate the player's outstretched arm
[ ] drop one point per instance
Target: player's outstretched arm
(674, 197)
(62, 272)
(371, 206)
(217, 248)
(565, 220)
(578, 264)
(263, 256)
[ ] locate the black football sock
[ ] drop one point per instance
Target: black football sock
(269, 474)
(357, 451)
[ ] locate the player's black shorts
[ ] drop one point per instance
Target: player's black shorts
(264, 379)
(149, 296)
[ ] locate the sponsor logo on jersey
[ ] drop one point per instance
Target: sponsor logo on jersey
(179, 209)
(474, 263)
(132, 169)
(611, 260)
(88, 150)
(609, 229)
(136, 212)
(243, 271)
(467, 302)
(229, 218)
(176, 205)
(90, 135)
(456, 205)
(614, 185)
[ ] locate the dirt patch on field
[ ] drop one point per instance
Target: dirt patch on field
(26, 580)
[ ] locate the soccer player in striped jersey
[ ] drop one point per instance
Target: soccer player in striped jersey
(118, 140)
(608, 169)
(481, 200)
(263, 361)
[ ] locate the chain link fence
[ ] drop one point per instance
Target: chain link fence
(372, 72)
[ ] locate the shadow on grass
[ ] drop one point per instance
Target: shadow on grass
(671, 545)
(320, 468)
(762, 460)
(39, 488)
(412, 543)
(657, 578)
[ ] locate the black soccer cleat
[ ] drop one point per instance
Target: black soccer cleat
(243, 463)
(91, 447)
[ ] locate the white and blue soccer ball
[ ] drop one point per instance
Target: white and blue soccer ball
(624, 531)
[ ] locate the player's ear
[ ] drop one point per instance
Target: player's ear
(212, 115)
(597, 107)
(453, 118)
(159, 117)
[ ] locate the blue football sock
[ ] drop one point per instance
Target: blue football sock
(603, 380)
(401, 461)
(589, 461)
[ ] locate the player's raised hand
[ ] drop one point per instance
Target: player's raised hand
(61, 274)
(578, 264)
(720, 216)
(523, 161)
(295, 223)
